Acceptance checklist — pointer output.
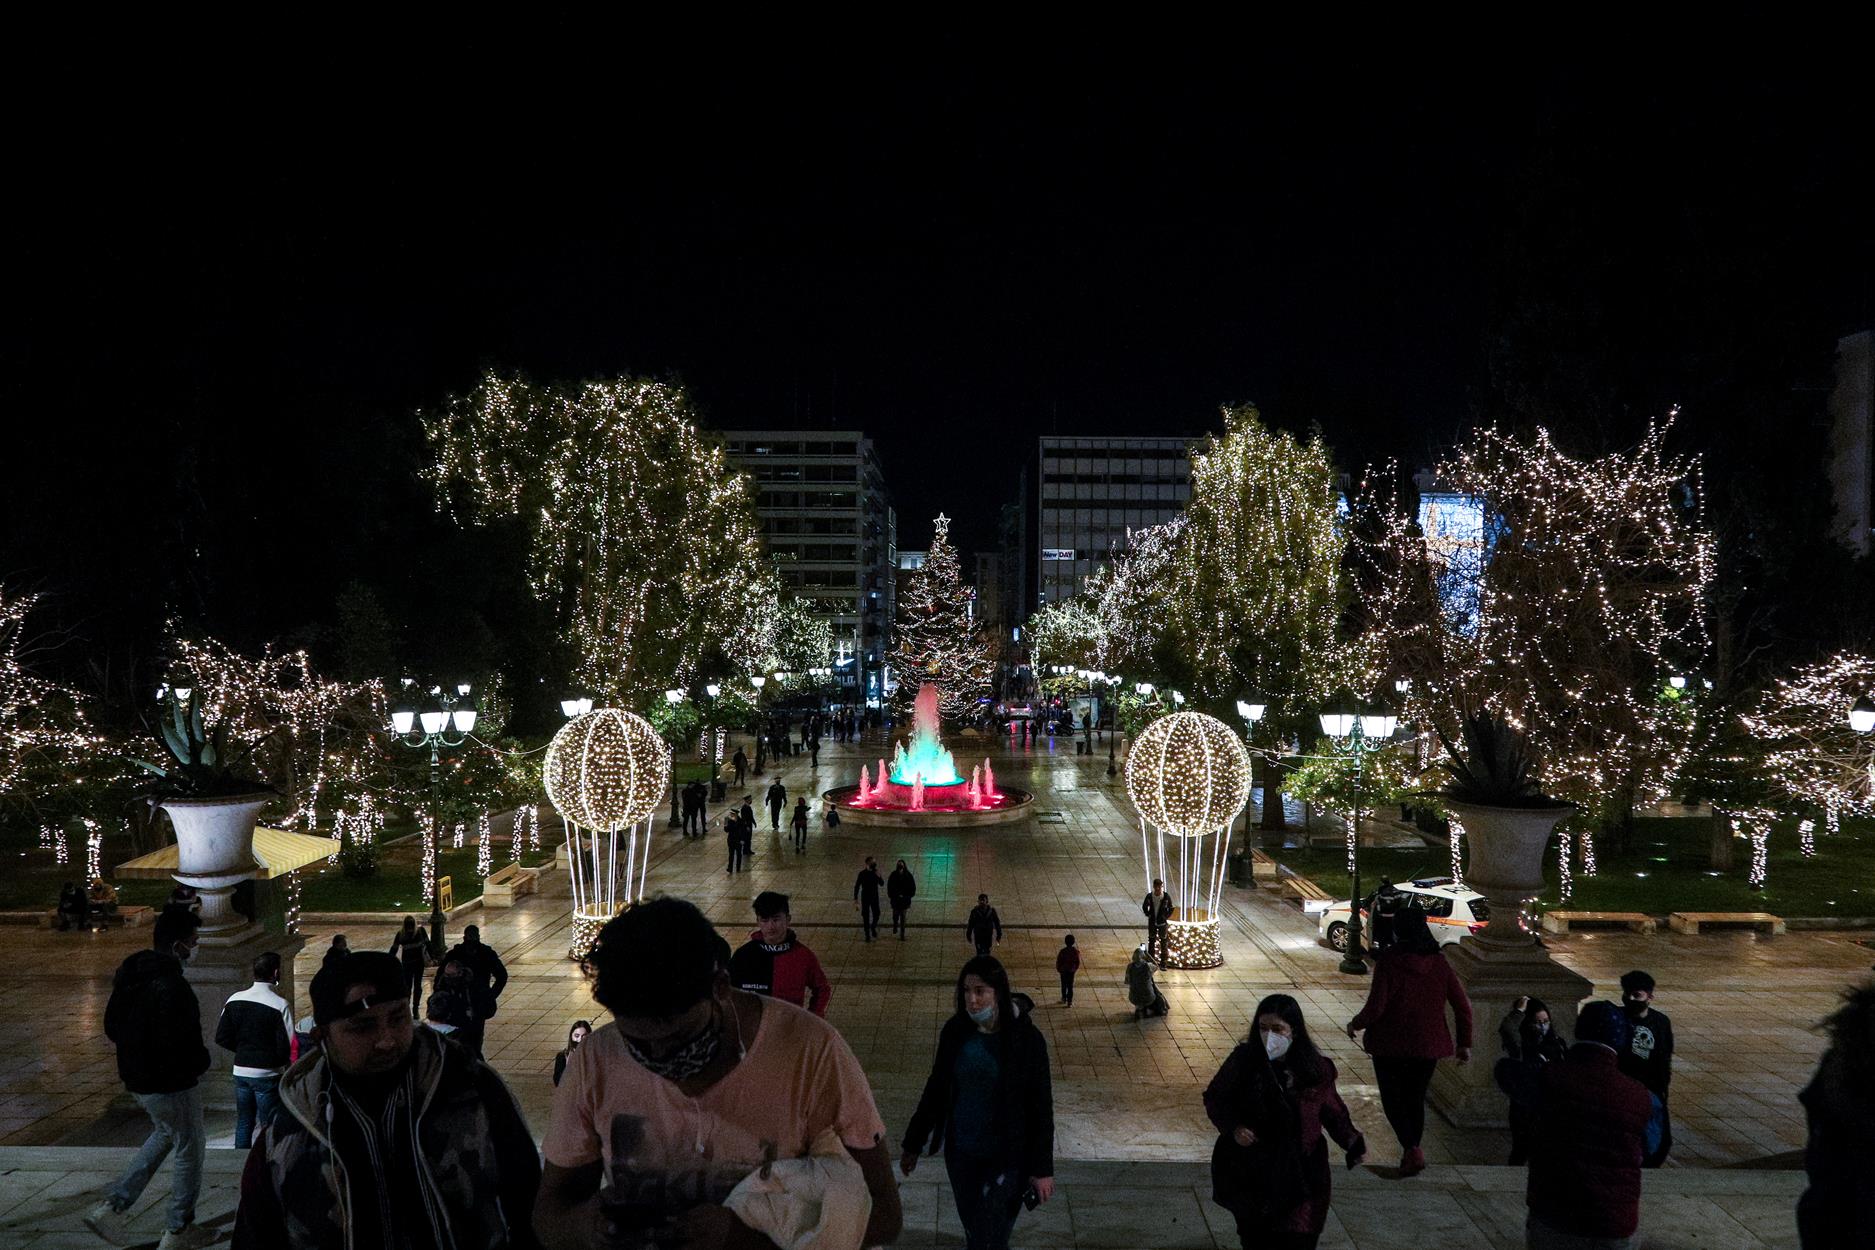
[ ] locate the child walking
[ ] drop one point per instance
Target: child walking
(1067, 963)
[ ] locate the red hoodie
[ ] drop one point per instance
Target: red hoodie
(786, 970)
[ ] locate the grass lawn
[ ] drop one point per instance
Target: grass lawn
(1664, 868)
(398, 883)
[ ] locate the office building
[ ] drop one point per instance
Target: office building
(826, 516)
(1090, 493)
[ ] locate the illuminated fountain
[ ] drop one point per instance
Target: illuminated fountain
(923, 787)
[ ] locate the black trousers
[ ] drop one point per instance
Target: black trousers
(1256, 1236)
(800, 837)
(898, 918)
(1067, 987)
(774, 816)
(1403, 1085)
(869, 917)
(1155, 942)
(735, 854)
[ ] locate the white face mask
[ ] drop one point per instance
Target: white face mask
(983, 1015)
(1275, 1045)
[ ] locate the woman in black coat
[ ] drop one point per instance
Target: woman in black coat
(1530, 1041)
(989, 1105)
(900, 887)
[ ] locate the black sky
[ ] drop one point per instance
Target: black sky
(223, 320)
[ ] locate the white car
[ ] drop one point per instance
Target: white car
(1452, 911)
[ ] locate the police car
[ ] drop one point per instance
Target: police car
(1452, 911)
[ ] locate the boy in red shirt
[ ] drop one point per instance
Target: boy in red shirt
(776, 963)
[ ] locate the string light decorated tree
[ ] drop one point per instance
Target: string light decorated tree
(56, 769)
(1066, 633)
(1815, 764)
(1592, 594)
(938, 643)
(642, 539)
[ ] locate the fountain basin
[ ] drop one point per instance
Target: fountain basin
(945, 807)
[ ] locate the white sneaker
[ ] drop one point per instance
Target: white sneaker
(107, 1222)
(190, 1238)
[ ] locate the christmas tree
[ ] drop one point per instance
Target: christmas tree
(938, 642)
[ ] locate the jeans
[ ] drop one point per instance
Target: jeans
(800, 837)
(1067, 987)
(256, 1098)
(988, 1195)
(1156, 936)
(1403, 1084)
(898, 918)
(869, 917)
(176, 1124)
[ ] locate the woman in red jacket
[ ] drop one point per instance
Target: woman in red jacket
(1275, 1106)
(1406, 1030)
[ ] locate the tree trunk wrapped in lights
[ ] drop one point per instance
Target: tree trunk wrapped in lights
(1188, 776)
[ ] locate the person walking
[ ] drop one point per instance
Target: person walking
(984, 928)
(740, 762)
(900, 888)
(866, 887)
(1529, 1043)
(988, 1104)
(736, 835)
(389, 1135)
(487, 978)
(338, 950)
(1067, 963)
(580, 1031)
(777, 963)
(798, 822)
(1276, 1107)
(1835, 1211)
(453, 1003)
(777, 799)
(813, 752)
(696, 800)
(257, 1025)
(411, 945)
(1406, 1031)
(153, 1019)
(748, 829)
(1649, 1056)
(1584, 1189)
(1157, 906)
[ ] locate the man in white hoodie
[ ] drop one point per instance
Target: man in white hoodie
(257, 1025)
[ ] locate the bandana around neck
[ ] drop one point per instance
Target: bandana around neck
(687, 1060)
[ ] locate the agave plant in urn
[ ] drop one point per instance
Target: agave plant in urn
(1506, 817)
(213, 804)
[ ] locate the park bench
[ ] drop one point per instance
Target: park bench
(132, 917)
(1690, 921)
(503, 886)
(1559, 921)
(1306, 890)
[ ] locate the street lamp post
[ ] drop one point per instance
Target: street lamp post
(1252, 712)
(1356, 729)
(436, 722)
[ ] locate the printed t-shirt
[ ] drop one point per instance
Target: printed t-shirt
(798, 1079)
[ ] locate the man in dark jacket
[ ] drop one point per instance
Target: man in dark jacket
(156, 1024)
(866, 889)
(1648, 1057)
(776, 963)
(257, 1025)
(389, 1136)
(777, 799)
(900, 888)
(487, 976)
(1585, 1151)
(696, 798)
(1838, 1209)
(985, 927)
(1157, 906)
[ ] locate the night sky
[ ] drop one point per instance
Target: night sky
(219, 335)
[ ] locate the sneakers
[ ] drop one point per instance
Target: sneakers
(1413, 1162)
(191, 1238)
(107, 1222)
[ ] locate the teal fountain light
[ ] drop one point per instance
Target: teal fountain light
(925, 759)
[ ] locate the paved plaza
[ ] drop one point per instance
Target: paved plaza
(1131, 1132)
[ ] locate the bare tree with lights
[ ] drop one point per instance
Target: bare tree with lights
(937, 640)
(1811, 735)
(1592, 596)
(642, 538)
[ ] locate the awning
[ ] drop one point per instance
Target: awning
(276, 853)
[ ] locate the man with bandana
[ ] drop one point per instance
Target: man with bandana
(388, 1136)
(692, 1087)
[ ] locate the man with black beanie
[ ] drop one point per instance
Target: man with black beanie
(388, 1136)
(1649, 1054)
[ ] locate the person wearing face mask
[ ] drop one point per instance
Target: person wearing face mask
(574, 1036)
(988, 1104)
(156, 1024)
(1648, 1057)
(389, 1135)
(1530, 1041)
(900, 888)
(689, 1089)
(1275, 1106)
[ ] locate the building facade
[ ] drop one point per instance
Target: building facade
(1088, 494)
(827, 518)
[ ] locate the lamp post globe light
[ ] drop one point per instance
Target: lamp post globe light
(429, 727)
(1862, 715)
(1362, 732)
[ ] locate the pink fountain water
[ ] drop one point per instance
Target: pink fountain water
(923, 776)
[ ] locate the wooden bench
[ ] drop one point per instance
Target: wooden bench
(1306, 890)
(1690, 921)
(1559, 921)
(504, 885)
(128, 916)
